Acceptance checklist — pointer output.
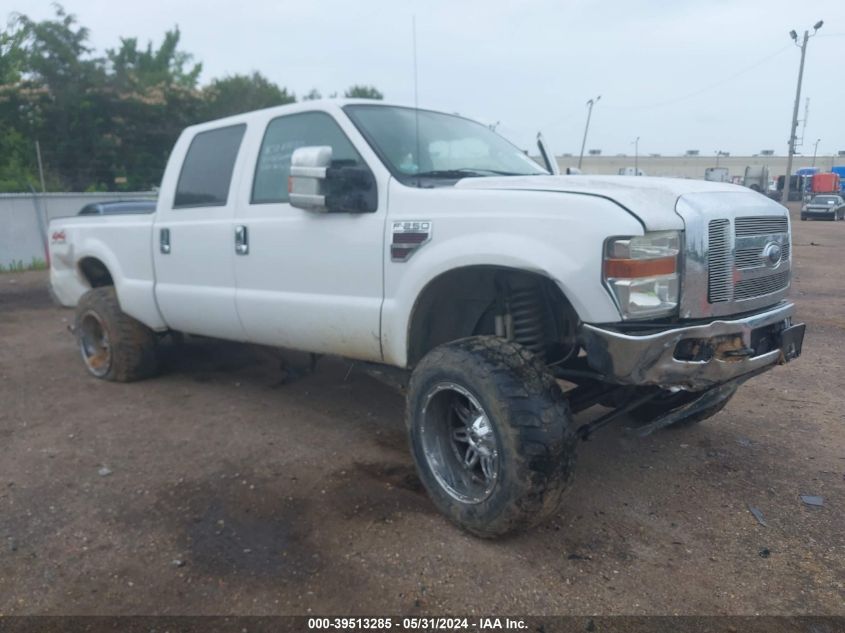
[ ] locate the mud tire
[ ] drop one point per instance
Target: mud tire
(531, 421)
(132, 345)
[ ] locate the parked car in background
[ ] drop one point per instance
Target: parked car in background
(828, 207)
(118, 207)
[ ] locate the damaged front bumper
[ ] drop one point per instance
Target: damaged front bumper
(698, 357)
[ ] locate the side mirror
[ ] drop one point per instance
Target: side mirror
(308, 167)
(315, 185)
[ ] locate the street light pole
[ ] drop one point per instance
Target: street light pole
(815, 150)
(590, 105)
(636, 156)
(794, 126)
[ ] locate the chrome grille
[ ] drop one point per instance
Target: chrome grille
(725, 236)
(760, 225)
(757, 286)
(719, 274)
(746, 258)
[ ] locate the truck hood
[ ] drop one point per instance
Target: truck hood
(651, 200)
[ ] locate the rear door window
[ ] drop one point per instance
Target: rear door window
(207, 170)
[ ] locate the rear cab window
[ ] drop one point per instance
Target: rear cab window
(206, 175)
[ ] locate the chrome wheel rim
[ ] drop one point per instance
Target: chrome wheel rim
(94, 344)
(459, 443)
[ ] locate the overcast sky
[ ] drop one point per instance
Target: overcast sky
(708, 75)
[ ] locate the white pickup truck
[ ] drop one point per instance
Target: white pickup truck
(512, 298)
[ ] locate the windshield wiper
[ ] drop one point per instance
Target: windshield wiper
(465, 172)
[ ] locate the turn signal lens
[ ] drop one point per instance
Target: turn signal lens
(641, 273)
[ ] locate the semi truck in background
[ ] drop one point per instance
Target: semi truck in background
(756, 178)
(839, 170)
(717, 174)
(826, 183)
(797, 187)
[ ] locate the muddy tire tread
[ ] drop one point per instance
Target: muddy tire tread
(133, 344)
(545, 441)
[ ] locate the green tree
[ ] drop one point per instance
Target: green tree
(165, 66)
(363, 92)
(312, 95)
(242, 93)
(12, 52)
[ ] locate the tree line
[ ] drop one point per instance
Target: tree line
(108, 123)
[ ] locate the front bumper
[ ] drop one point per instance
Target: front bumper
(696, 357)
(819, 213)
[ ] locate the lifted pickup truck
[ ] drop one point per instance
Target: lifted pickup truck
(511, 298)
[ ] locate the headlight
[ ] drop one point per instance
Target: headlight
(642, 273)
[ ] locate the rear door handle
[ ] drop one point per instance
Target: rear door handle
(241, 240)
(164, 241)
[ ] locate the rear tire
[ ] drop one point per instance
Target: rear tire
(491, 434)
(114, 346)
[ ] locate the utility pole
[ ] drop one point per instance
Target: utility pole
(794, 127)
(815, 150)
(40, 165)
(636, 156)
(590, 105)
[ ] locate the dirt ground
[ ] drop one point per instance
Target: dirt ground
(220, 488)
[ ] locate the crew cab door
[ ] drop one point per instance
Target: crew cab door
(308, 281)
(193, 236)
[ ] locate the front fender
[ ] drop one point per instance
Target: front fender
(496, 249)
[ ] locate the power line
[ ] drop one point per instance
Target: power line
(721, 82)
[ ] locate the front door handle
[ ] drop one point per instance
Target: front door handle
(241, 240)
(164, 241)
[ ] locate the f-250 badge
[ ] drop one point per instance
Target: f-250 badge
(408, 236)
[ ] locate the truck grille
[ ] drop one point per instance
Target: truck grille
(737, 266)
(761, 225)
(719, 277)
(757, 286)
(746, 258)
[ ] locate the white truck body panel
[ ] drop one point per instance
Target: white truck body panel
(326, 282)
(544, 233)
(123, 244)
(312, 281)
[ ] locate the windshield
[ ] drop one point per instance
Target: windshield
(823, 200)
(447, 147)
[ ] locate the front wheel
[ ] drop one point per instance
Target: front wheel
(491, 434)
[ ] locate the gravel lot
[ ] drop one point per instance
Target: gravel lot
(223, 488)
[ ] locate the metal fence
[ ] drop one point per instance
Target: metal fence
(24, 218)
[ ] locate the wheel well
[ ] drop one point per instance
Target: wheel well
(477, 299)
(95, 272)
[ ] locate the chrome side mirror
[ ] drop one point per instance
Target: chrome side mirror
(308, 174)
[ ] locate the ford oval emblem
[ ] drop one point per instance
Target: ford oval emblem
(772, 253)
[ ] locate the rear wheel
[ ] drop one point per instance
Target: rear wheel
(491, 435)
(113, 345)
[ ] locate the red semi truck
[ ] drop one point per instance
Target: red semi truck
(826, 183)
